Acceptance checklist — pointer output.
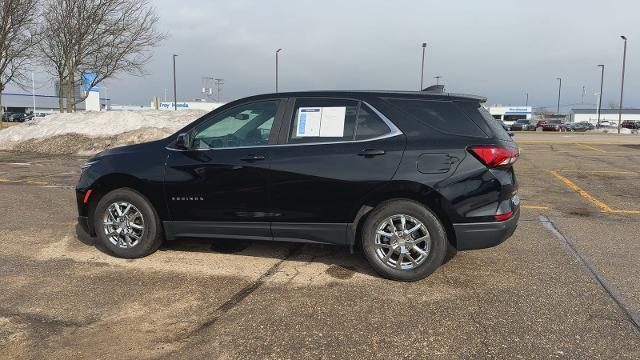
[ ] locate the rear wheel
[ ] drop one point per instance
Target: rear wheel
(403, 240)
(126, 224)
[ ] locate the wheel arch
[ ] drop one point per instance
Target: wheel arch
(402, 190)
(110, 182)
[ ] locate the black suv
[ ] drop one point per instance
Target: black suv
(403, 175)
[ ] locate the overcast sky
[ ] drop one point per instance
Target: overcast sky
(499, 49)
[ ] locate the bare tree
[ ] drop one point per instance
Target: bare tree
(54, 47)
(18, 34)
(103, 37)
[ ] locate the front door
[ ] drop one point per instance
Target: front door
(222, 178)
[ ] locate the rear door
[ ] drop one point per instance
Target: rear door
(331, 154)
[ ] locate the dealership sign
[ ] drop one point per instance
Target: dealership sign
(169, 105)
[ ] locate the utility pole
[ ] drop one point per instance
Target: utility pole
(207, 89)
(165, 94)
(219, 83)
(424, 47)
(624, 61)
(600, 95)
(559, 90)
(582, 98)
(527, 101)
(33, 92)
(277, 51)
(175, 95)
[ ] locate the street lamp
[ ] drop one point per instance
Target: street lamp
(424, 47)
(600, 95)
(277, 51)
(624, 61)
(175, 95)
(437, 79)
(559, 90)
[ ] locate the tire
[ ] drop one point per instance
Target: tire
(143, 231)
(376, 247)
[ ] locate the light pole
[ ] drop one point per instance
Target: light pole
(277, 51)
(175, 95)
(424, 47)
(559, 90)
(437, 79)
(624, 61)
(527, 101)
(600, 95)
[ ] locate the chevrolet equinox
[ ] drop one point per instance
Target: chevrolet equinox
(405, 176)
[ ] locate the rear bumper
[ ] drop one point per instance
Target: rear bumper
(485, 235)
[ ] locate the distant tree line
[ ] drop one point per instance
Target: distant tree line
(70, 38)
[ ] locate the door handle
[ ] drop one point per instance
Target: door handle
(253, 157)
(371, 152)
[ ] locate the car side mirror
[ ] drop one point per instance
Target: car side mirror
(183, 141)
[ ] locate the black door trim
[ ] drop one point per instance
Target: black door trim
(319, 233)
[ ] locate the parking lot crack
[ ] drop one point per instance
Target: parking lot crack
(612, 292)
(242, 294)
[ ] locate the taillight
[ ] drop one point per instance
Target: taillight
(503, 217)
(495, 156)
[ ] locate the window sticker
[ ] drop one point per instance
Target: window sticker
(309, 121)
(321, 121)
(332, 123)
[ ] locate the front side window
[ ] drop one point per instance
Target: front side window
(245, 125)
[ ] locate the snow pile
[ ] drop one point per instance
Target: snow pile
(90, 132)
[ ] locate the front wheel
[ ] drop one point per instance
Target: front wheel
(126, 224)
(403, 240)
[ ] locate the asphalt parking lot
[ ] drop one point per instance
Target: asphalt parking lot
(565, 285)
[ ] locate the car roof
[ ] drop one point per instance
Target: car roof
(430, 95)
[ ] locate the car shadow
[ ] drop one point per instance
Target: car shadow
(342, 263)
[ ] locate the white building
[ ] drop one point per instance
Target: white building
(510, 114)
(611, 115)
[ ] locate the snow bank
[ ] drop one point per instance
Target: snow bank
(90, 132)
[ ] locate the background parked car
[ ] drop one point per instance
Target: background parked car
(631, 124)
(523, 125)
(581, 126)
(554, 125)
(17, 117)
(540, 123)
(606, 124)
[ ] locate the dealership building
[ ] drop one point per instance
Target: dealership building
(612, 115)
(511, 113)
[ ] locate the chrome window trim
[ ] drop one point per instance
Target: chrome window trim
(393, 131)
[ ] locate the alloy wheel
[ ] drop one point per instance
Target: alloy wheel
(402, 242)
(123, 224)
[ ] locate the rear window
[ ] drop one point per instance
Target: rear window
(444, 116)
(480, 115)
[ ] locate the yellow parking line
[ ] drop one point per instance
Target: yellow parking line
(535, 207)
(604, 207)
(601, 171)
(590, 147)
(18, 181)
(626, 211)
